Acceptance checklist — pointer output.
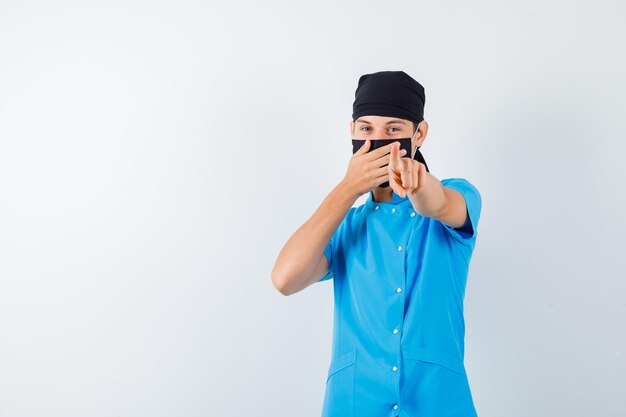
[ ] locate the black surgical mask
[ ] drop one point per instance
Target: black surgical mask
(405, 143)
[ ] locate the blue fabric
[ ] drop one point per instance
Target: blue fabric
(398, 332)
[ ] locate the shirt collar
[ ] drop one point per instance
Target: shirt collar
(395, 199)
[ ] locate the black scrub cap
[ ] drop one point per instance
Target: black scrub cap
(389, 94)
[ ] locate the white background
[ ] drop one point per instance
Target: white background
(156, 156)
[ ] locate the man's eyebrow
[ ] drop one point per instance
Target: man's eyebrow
(388, 123)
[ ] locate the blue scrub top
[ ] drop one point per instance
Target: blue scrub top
(398, 330)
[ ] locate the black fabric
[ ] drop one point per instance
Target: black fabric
(390, 94)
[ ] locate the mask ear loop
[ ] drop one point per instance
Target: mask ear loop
(413, 137)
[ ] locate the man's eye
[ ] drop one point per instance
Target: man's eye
(367, 127)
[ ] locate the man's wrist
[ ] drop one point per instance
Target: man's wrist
(346, 193)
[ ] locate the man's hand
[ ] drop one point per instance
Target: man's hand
(406, 175)
(367, 170)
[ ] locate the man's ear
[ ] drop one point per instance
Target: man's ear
(351, 128)
(421, 135)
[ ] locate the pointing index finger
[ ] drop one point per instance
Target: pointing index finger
(395, 155)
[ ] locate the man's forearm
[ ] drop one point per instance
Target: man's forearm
(301, 254)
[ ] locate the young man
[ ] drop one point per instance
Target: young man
(399, 264)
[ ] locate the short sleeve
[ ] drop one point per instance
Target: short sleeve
(334, 246)
(468, 232)
(328, 252)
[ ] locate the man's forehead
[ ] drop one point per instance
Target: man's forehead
(380, 119)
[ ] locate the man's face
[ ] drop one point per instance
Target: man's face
(382, 127)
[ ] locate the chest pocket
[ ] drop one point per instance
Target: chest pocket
(339, 395)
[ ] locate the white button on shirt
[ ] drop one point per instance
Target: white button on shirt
(395, 368)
